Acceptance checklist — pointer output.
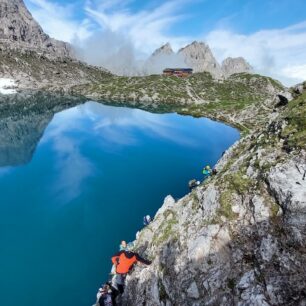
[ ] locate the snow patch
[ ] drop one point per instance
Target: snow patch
(7, 86)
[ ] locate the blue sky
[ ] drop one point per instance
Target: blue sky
(245, 16)
(270, 34)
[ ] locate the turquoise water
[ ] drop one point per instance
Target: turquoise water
(95, 173)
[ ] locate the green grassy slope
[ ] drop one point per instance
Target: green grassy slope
(295, 116)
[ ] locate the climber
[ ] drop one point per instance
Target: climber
(147, 220)
(125, 260)
(193, 183)
(117, 282)
(105, 296)
(207, 171)
(124, 246)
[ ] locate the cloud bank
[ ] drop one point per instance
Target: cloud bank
(280, 53)
(111, 34)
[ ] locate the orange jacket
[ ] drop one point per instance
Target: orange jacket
(124, 261)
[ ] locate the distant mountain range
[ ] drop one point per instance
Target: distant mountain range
(198, 56)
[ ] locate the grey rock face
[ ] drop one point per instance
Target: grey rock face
(288, 183)
(18, 30)
(235, 65)
(299, 88)
(193, 291)
(199, 57)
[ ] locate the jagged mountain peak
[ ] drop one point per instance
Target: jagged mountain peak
(233, 65)
(198, 56)
(235, 59)
(194, 45)
(162, 58)
(20, 31)
(196, 49)
(165, 49)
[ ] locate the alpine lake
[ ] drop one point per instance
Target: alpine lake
(74, 183)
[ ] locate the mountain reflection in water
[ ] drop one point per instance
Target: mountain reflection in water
(23, 120)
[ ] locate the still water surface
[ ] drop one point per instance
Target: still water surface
(96, 171)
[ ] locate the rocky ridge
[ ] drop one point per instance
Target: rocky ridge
(239, 238)
(164, 50)
(31, 70)
(33, 59)
(19, 31)
(199, 56)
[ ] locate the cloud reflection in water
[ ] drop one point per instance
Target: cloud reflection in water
(111, 129)
(117, 125)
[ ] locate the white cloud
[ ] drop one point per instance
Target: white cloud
(280, 53)
(111, 35)
(146, 29)
(295, 72)
(72, 167)
(125, 38)
(114, 128)
(59, 20)
(118, 125)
